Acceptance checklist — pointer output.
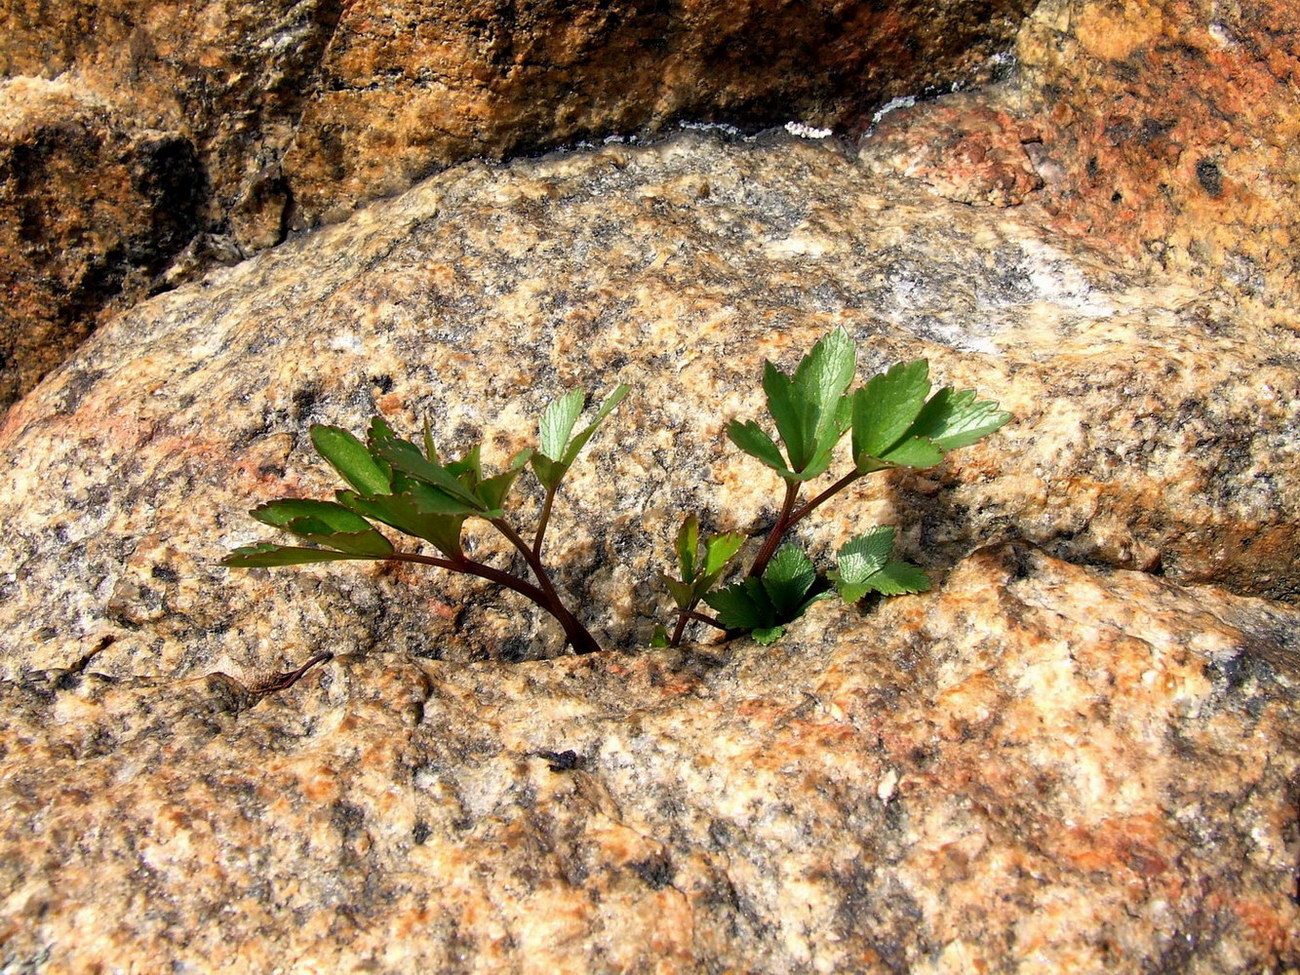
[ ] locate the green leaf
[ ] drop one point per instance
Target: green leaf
(557, 453)
(865, 554)
(750, 438)
(789, 415)
(864, 566)
(333, 517)
(404, 456)
(919, 452)
(821, 381)
(325, 523)
(409, 513)
(494, 489)
(688, 542)
(351, 459)
(719, 550)
(580, 441)
(557, 422)
(659, 638)
(897, 578)
(683, 593)
(787, 580)
(265, 555)
(742, 606)
(955, 418)
(885, 408)
(766, 635)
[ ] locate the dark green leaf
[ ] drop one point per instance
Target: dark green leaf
(494, 489)
(954, 418)
(897, 578)
(885, 408)
(659, 638)
(918, 452)
(265, 555)
(369, 543)
(789, 416)
(410, 514)
(351, 459)
(821, 381)
(787, 580)
(742, 606)
(333, 517)
(750, 438)
(549, 472)
(688, 541)
(404, 456)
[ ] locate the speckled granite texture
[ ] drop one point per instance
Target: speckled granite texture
(1037, 768)
(1154, 430)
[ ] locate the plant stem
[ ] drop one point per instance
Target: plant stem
(778, 530)
(576, 635)
(579, 636)
(825, 496)
(542, 521)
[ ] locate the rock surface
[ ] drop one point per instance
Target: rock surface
(1160, 129)
(92, 207)
(1154, 430)
(1038, 767)
(292, 114)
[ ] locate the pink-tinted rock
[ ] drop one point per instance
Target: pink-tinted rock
(1038, 765)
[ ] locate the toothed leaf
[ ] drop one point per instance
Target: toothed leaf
(918, 452)
(885, 408)
(742, 606)
(556, 424)
(954, 418)
(580, 441)
(897, 578)
(750, 438)
(787, 580)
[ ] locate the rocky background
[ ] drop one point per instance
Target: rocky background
(1078, 753)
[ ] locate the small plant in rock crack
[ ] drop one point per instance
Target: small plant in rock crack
(894, 422)
(395, 483)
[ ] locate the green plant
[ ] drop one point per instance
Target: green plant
(394, 483)
(894, 420)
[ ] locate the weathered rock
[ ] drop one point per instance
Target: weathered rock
(1161, 129)
(406, 88)
(1037, 766)
(92, 207)
(301, 113)
(1154, 430)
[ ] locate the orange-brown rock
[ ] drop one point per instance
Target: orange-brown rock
(1038, 766)
(1163, 130)
(92, 207)
(302, 113)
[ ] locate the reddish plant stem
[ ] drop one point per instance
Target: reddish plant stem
(778, 530)
(575, 633)
(579, 636)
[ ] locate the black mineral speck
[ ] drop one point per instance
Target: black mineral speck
(655, 871)
(1210, 176)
